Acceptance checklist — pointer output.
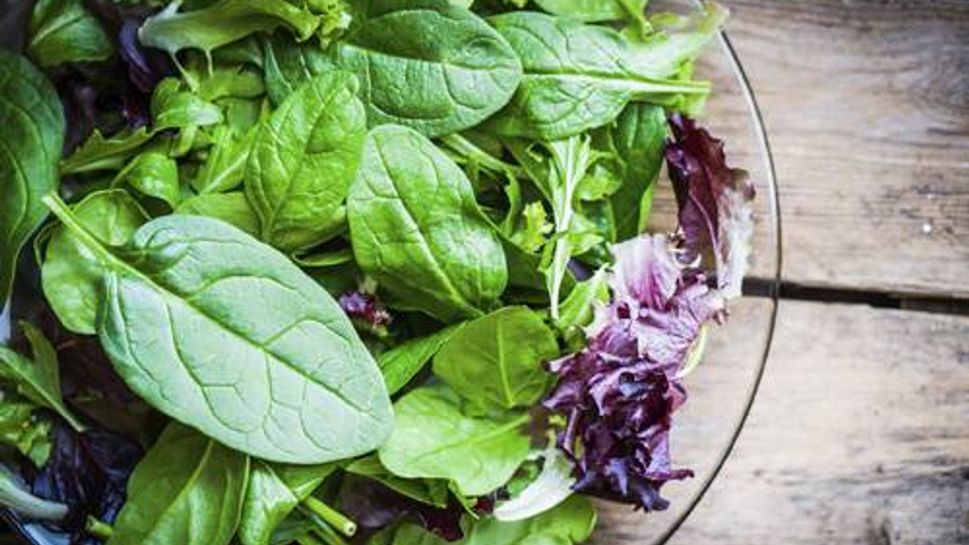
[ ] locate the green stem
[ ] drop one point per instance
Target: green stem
(474, 154)
(331, 516)
(98, 529)
(308, 539)
(329, 535)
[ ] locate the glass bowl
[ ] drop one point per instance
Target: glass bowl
(722, 389)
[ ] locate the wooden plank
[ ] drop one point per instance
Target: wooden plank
(860, 435)
(867, 108)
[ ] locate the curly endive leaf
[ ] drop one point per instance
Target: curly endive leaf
(225, 334)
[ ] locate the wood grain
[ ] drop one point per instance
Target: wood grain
(867, 107)
(860, 435)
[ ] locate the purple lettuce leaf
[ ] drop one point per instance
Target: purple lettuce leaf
(366, 311)
(713, 199)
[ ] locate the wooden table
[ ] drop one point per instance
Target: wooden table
(861, 430)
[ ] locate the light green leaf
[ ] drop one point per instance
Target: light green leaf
(175, 107)
(430, 491)
(304, 160)
(71, 274)
(401, 363)
(232, 208)
(187, 490)
(100, 153)
(434, 439)
(30, 146)
(225, 167)
(21, 429)
(578, 308)
(274, 491)
(12, 495)
(64, 31)
(417, 230)
(210, 326)
(153, 174)
(496, 361)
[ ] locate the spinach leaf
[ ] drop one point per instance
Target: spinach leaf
(274, 491)
(187, 490)
(64, 31)
(417, 230)
(30, 146)
(221, 23)
(37, 380)
(434, 439)
(304, 160)
(636, 143)
(71, 274)
(401, 363)
(577, 77)
(100, 153)
(496, 361)
(232, 208)
(435, 67)
(174, 106)
(225, 167)
(153, 174)
(571, 522)
(288, 65)
(430, 491)
(578, 309)
(217, 330)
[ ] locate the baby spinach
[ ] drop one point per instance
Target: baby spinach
(31, 141)
(577, 77)
(175, 106)
(37, 380)
(225, 167)
(496, 361)
(304, 159)
(427, 64)
(232, 208)
(71, 274)
(153, 174)
(64, 31)
(222, 23)
(106, 153)
(434, 439)
(401, 363)
(430, 491)
(274, 491)
(187, 490)
(417, 230)
(184, 284)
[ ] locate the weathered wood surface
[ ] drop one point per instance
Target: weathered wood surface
(867, 107)
(860, 435)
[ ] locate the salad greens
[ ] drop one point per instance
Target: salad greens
(354, 271)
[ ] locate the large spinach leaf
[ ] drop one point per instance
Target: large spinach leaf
(434, 439)
(223, 22)
(39, 379)
(577, 77)
(496, 361)
(225, 334)
(30, 146)
(71, 274)
(427, 64)
(187, 490)
(274, 491)
(401, 363)
(416, 228)
(64, 31)
(304, 160)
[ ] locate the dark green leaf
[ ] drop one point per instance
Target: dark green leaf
(64, 31)
(417, 230)
(401, 363)
(100, 153)
(274, 491)
(30, 146)
(430, 491)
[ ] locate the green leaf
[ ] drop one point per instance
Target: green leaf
(274, 491)
(175, 107)
(71, 274)
(577, 77)
(21, 429)
(551, 487)
(225, 167)
(434, 439)
(401, 363)
(100, 153)
(427, 64)
(187, 490)
(153, 174)
(430, 491)
(304, 160)
(638, 140)
(12, 495)
(578, 309)
(232, 208)
(64, 31)
(222, 23)
(217, 330)
(39, 379)
(569, 523)
(417, 230)
(496, 361)
(30, 146)
(595, 11)
(678, 42)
